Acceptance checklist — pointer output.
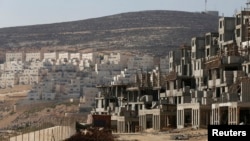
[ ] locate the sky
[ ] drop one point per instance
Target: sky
(32, 12)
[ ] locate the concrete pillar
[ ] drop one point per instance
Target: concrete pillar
(156, 119)
(159, 122)
(128, 97)
(182, 119)
(103, 103)
(141, 122)
(192, 119)
(128, 127)
(183, 115)
(118, 127)
(177, 117)
(199, 117)
(121, 127)
(167, 121)
(124, 127)
(154, 122)
(195, 118)
(116, 91)
(218, 116)
(230, 116)
(215, 116)
(237, 112)
(212, 115)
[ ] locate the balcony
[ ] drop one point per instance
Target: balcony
(212, 83)
(170, 93)
(231, 60)
(217, 82)
(198, 73)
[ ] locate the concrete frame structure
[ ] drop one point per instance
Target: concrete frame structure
(230, 113)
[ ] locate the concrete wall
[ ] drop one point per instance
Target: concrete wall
(56, 133)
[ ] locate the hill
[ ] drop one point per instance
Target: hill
(145, 31)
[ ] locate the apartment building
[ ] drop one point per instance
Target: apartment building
(75, 56)
(207, 83)
(34, 56)
(14, 56)
(93, 57)
(7, 79)
(29, 77)
(115, 58)
(13, 66)
(50, 56)
(141, 61)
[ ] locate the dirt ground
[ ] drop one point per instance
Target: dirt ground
(34, 112)
(15, 112)
(193, 135)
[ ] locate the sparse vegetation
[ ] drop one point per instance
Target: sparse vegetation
(154, 32)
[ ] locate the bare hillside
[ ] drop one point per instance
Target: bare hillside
(147, 31)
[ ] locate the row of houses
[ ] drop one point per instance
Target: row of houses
(207, 83)
(62, 74)
(125, 60)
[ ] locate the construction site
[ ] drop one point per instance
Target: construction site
(208, 83)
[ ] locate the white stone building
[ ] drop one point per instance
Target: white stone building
(145, 62)
(63, 55)
(115, 58)
(7, 79)
(29, 77)
(33, 56)
(43, 91)
(93, 57)
(75, 56)
(50, 55)
(14, 66)
(35, 65)
(14, 56)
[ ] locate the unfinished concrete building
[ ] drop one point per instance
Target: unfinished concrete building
(233, 105)
(136, 107)
(208, 83)
(184, 83)
(217, 92)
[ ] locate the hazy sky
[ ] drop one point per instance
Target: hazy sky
(31, 12)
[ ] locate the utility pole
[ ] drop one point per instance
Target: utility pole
(205, 6)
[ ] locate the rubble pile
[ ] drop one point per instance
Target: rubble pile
(92, 134)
